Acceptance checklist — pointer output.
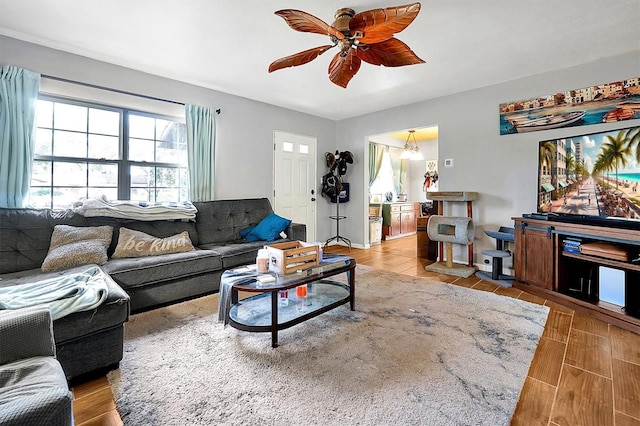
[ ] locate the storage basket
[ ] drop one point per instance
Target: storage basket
(292, 256)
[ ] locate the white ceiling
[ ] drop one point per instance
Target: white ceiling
(228, 45)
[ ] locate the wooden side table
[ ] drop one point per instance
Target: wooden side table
(426, 249)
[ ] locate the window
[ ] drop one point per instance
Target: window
(84, 150)
(384, 182)
(287, 147)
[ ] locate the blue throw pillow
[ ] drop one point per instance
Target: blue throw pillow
(268, 229)
(246, 231)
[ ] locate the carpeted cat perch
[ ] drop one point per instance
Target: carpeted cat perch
(451, 230)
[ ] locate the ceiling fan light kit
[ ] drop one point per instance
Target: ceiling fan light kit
(367, 36)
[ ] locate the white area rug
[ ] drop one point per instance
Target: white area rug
(414, 352)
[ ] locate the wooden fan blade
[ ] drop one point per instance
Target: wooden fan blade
(390, 53)
(299, 58)
(343, 67)
(374, 26)
(307, 23)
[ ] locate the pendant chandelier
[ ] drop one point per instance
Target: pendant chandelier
(411, 150)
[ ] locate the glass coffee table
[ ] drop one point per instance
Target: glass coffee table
(266, 312)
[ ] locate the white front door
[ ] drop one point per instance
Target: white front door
(295, 191)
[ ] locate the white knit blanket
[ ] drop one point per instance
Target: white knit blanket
(139, 210)
(64, 294)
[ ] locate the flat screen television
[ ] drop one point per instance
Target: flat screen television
(591, 178)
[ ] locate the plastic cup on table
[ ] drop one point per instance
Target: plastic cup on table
(301, 291)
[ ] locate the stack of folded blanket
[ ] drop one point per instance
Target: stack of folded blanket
(140, 210)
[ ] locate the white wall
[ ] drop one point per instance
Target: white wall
(501, 168)
(244, 140)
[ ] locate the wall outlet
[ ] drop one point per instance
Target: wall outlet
(448, 162)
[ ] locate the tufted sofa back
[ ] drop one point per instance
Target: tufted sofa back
(222, 220)
(25, 235)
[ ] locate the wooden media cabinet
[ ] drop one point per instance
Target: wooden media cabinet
(545, 267)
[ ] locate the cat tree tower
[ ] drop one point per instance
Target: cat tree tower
(449, 230)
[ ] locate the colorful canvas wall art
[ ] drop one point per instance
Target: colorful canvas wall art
(431, 176)
(611, 102)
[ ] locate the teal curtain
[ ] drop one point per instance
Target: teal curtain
(18, 98)
(201, 143)
(376, 153)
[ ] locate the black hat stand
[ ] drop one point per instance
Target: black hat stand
(337, 238)
(339, 168)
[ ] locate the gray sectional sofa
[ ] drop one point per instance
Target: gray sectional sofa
(91, 342)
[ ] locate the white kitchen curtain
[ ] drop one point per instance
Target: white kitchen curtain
(18, 97)
(201, 142)
(400, 168)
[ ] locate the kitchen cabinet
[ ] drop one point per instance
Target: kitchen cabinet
(399, 219)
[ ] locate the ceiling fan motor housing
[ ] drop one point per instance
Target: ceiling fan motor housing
(342, 18)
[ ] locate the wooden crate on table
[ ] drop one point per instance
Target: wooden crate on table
(292, 256)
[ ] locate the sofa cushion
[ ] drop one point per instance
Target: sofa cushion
(77, 245)
(138, 244)
(235, 253)
(34, 391)
(114, 311)
(268, 229)
(221, 221)
(142, 271)
(25, 235)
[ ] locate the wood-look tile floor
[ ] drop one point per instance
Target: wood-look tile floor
(584, 371)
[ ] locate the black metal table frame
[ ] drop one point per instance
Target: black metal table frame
(349, 268)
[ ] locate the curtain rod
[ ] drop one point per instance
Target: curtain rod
(123, 92)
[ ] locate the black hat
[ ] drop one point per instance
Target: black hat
(347, 156)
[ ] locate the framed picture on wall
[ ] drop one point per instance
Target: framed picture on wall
(431, 176)
(375, 198)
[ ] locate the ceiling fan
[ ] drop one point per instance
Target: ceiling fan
(366, 36)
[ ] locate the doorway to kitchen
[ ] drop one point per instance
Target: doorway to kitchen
(403, 167)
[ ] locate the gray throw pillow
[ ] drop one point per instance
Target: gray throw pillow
(77, 245)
